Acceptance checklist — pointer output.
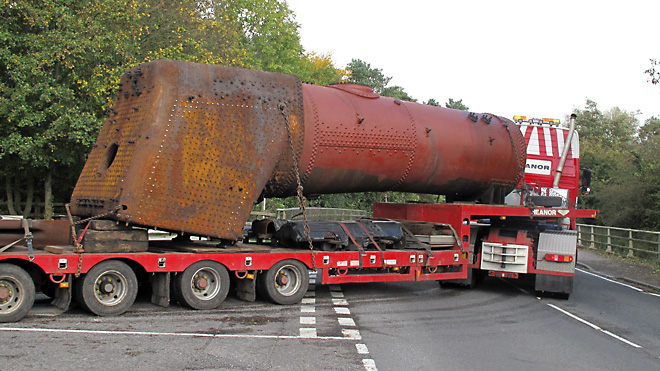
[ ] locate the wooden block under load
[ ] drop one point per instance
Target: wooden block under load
(108, 225)
(128, 240)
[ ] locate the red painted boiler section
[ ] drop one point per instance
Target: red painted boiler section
(357, 141)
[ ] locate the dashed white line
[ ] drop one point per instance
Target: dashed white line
(344, 321)
(307, 309)
(351, 334)
(308, 305)
(339, 302)
(361, 348)
(369, 364)
(308, 332)
(307, 320)
(349, 327)
(342, 310)
(595, 327)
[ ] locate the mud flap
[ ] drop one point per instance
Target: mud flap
(246, 289)
(62, 298)
(160, 289)
(554, 284)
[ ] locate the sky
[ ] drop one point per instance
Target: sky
(532, 58)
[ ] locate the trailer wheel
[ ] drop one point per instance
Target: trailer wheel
(286, 282)
(108, 289)
(203, 285)
(16, 293)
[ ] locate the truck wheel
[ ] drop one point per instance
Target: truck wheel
(16, 293)
(286, 282)
(108, 289)
(203, 285)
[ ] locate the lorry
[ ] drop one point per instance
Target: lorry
(189, 149)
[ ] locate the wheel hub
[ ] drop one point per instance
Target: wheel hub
(5, 293)
(106, 286)
(201, 283)
(282, 279)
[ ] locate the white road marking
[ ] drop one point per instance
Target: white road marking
(351, 334)
(369, 364)
(171, 334)
(595, 327)
(342, 310)
(343, 321)
(308, 333)
(308, 301)
(342, 302)
(340, 305)
(307, 309)
(361, 348)
(610, 280)
(307, 320)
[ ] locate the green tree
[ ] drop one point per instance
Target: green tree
(362, 73)
(188, 30)
(614, 127)
(654, 72)
(649, 174)
(56, 60)
(268, 32)
(318, 68)
(610, 148)
(456, 104)
(60, 63)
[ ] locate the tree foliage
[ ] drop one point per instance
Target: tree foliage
(61, 60)
(361, 72)
(456, 104)
(654, 72)
(623, 157)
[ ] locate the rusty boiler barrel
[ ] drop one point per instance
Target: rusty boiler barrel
(356, 140)
(190, 147)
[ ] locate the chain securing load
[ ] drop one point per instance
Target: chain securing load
(302, 201)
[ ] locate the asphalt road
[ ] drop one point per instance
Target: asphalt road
(393, 326)
(502, 325)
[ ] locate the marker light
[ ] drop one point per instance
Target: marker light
(532, 120)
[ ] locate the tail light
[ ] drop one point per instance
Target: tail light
(559, 258)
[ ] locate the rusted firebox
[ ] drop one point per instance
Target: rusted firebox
(190, 147)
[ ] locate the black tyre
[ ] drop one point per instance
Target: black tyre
(286, 282)
(203, 285)
(108, 289)
(16, 293)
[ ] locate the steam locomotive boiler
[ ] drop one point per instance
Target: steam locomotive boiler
(191, 147)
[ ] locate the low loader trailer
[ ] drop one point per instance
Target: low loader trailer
(190, 148)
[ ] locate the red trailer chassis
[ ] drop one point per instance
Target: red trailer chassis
(168, 261)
